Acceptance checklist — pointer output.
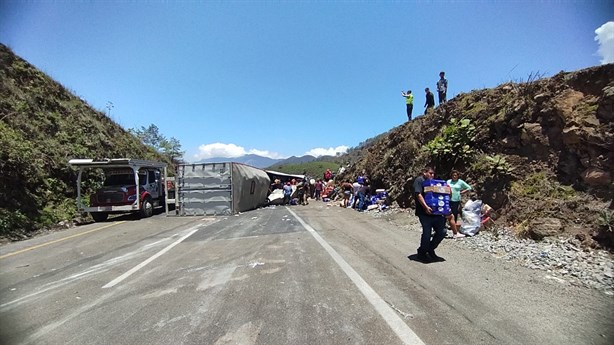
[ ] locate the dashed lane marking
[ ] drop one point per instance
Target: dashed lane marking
(152, 258)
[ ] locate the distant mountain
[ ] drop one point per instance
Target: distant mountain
(265, 162)
(304, 159)
(253, 160)
(296, 160)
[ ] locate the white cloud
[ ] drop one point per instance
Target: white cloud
(331, 151)
(229, 151)
(265, 153)
(605, 37)
(219, 150)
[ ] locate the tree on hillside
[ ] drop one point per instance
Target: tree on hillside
(172, 148)
(152, 137)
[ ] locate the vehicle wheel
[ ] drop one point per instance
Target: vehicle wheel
(99, 216)
(146, 208)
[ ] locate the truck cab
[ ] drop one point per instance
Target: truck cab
(125, 179)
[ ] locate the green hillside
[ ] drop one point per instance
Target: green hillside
(315, 169)
(42, 126)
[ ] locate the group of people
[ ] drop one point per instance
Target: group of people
(355, 195)
(300, 191)
(434, 224)
(442, 90)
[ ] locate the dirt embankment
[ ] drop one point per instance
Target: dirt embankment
(540, 152)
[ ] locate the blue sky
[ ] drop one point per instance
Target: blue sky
(290, 78)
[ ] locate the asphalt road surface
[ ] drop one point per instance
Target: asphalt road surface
(285, 275)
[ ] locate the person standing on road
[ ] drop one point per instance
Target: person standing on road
(356, 187)
(458, 187)
(362, 195)
(430, 100)
(347, 192)
(409, 101)
(287, 193)
(319, 187)
(442, 87)
(430, 222)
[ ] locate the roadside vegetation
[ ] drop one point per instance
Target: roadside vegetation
(42, 126)
(314, 169)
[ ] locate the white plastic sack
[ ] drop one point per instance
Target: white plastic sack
(276, 197)
(472, 217)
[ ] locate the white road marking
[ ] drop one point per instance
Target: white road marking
(99, 268)
(400, 328)
(155, 256)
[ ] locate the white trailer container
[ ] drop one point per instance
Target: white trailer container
(219, 188)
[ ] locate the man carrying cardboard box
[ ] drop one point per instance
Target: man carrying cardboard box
(430, 219)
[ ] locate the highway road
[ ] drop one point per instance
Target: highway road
(296, 275)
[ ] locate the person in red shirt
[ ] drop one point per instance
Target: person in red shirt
(328, 175)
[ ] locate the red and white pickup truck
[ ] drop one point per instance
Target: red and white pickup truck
(124, 180)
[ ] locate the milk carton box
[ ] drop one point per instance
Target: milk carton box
(437, 196)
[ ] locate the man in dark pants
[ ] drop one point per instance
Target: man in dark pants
(429, 221)
(430, 100)
(442, 87)
(409, 100)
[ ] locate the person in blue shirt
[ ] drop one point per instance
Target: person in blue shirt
(287, 193)
(432, 224)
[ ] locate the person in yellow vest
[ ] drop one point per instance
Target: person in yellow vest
(409, 100)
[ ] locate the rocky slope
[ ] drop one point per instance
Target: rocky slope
(540, 152)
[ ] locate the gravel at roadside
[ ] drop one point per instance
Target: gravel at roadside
(562, 259)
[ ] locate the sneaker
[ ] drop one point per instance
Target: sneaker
(459, 235)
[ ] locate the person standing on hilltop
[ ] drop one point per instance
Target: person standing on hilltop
(430, 100)
(442, 87)
(409, 100)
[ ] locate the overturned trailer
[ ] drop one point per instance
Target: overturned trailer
(219, 188)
